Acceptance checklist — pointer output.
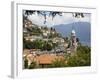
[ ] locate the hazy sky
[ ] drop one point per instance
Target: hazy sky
(66, 18)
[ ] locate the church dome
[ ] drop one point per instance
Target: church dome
(73, 31)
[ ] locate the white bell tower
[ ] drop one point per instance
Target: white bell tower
(73, 41)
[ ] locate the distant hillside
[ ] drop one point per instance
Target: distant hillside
(83, 30)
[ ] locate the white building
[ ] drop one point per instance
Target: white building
(33, 38)
(59, 40)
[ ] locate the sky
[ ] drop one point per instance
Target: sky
(66, 18)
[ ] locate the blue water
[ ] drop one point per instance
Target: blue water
(86, 43)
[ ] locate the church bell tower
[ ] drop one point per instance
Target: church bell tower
(73, 41)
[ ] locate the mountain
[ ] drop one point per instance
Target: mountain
(82, 29)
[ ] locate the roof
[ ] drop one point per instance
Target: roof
(42, 58)
(47, 58)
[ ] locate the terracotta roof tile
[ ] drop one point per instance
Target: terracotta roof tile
(47, 58)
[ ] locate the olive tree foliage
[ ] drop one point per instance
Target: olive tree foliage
(82, 57)
(59, 63)
(32, 65)
(25, 63)
(52, 14)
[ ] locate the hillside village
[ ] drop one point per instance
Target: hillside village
(42, 46)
